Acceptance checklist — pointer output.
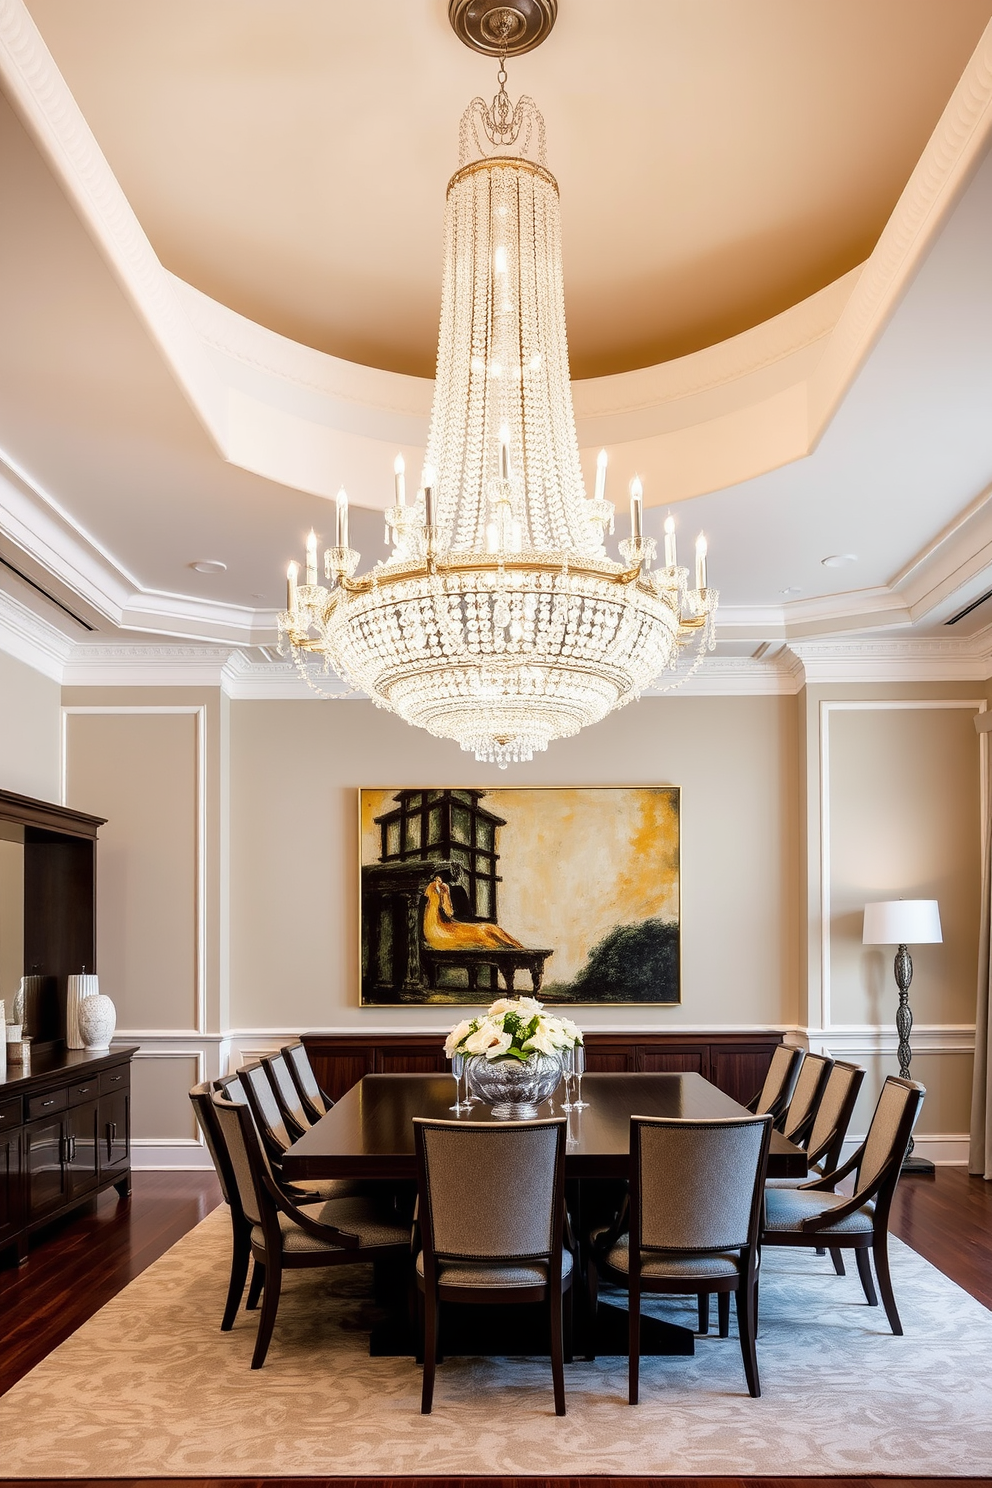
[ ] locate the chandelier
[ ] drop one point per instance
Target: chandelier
(498, 620)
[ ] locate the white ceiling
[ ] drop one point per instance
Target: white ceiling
(137, 441)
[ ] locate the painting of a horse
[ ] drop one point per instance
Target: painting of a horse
(574, 893)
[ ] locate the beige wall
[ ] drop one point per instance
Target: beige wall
(295, 771)
(29, 731)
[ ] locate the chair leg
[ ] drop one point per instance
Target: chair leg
(634, 1341)
(837, 1256)
(270, 1304)
(557, 1360)
(430, 1350)
(569, 1320)
(240, 1256)
(703, 1305)
(864, 1271)
(821, 1250)
(255, 1289)
(745, 1299)
(723, 1313)
(880, 1254)
(592, 1282)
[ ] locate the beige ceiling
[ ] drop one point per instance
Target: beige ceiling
(719, 159)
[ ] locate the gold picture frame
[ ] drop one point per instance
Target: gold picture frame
(572, 894)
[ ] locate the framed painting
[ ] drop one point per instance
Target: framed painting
(570, 894)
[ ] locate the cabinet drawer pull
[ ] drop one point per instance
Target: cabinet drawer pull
(49, 1102)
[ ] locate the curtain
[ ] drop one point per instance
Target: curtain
(980, 1152)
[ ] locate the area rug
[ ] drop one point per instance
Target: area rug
(150, 1387)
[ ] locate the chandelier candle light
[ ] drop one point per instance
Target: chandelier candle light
(499, 620)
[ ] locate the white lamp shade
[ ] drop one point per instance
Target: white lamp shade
(902, 922)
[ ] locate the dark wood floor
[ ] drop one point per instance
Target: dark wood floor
(78, 1265)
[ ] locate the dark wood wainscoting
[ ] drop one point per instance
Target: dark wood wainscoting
(735, 1062)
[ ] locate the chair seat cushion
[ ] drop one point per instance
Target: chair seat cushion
(495, 1273)
(664, 1263)
(357, 1216)
(324, 1189)
(786, 1208)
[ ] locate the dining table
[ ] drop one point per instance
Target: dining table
(368, 1134)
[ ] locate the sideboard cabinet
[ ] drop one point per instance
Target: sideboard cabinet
(735, 1062)
(65, 1135)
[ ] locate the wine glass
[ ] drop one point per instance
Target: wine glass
(458, 1069)
(578, 1070)
(567, 1069)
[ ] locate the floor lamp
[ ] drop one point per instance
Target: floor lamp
(904, 922)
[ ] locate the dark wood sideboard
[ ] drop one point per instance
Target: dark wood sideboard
(735, 1062)
(65, 1134)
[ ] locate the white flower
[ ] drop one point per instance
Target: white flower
(460, 1031)
(485, 1036)
(540, 1042)
(499, 1046)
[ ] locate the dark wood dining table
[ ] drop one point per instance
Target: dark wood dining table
(369, 1132)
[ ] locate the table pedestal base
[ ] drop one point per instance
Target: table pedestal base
(513, 1332)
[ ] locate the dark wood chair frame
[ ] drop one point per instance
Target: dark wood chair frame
(294, 1128)
(269, 1257)
(557, 1292)
(780, 1103)
(801, 1134)
(817, 1232)
(826, 1158)
(744, 1285)
(201, 1097)
(290, 1053)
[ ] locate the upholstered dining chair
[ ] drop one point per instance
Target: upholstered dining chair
(201, 1097)
(776, 1089)
(690, 1223)
(250, 1087)
(285, 1235)
(796, 1121)
(294, 1114)
(316, 1102)
(492, 1222)
(814, 1215)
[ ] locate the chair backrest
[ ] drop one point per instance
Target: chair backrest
(491, 1190)
(286, 1093)
(265, 1109)
(776, 1090)
(231, 1086)
(247, 1158)
(810, 1084)
(697, 1185)
(888, 1135)
(302, 1072)
(201, 1097)
(833, 1116)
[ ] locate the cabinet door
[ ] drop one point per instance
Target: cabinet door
(82, 1156)
(10, 1183)
(679, 1060)
(115, 1131)
(47, 1179)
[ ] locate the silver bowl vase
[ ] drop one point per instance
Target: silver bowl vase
(514, 1087)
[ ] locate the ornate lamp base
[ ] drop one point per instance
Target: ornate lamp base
(903, 968)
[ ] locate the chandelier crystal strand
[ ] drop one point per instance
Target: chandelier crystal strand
(504, 624)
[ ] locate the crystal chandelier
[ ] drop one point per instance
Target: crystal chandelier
(498, 620)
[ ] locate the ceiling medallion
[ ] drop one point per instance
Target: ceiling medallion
(498, 619)
(502, 28)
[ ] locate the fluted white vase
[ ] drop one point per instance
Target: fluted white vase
(80, 989)
(97, 1021)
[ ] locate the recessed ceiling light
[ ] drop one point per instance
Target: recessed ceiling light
(839, 560)
(209, 565)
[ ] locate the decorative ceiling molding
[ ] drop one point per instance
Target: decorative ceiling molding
(953, 153)
(28, 638)
(922, 660)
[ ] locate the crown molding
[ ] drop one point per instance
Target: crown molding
(28, 638)
(911, 660)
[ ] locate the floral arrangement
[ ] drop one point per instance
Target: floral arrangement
(512, 1028)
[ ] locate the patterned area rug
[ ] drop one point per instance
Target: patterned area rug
(151, 1387)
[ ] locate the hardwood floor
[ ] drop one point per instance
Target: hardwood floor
(79, 1264)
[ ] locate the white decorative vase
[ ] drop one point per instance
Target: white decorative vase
(80, 989)
(514, 1087)
(97, 1021)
